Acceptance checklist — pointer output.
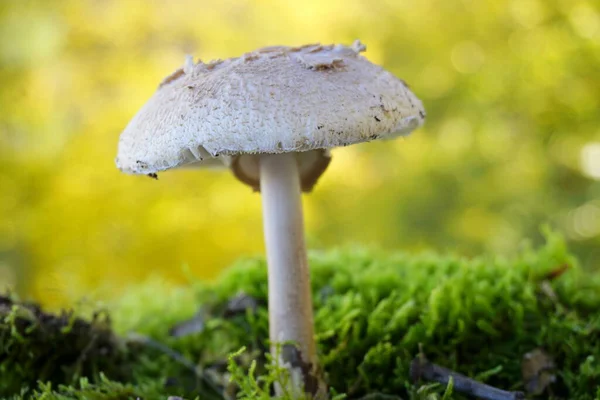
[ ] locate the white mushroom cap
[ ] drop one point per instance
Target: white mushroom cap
(274, 100)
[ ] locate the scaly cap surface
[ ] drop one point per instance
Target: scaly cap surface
(279, 99)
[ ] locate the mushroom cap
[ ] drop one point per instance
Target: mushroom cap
(305, 100)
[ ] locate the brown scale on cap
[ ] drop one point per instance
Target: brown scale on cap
(254, 55)
(175, 75)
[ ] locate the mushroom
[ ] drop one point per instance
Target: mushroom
(271, 116)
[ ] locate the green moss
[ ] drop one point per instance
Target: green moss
(36, 346)
(374, 311)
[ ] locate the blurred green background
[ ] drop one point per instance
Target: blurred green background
(512, 140)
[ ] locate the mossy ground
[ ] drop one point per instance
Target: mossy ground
(374, 311)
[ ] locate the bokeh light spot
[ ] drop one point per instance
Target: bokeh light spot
(456, 135)
(436, 81)
(528, 13)
(467, 57)
(590, 160)
(585, 21)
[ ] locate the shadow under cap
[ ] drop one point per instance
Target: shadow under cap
(311, 165)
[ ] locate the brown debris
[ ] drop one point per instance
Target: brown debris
(239, 304)
(538, 369)
(557, 272)
(190, 326)
(312, 377)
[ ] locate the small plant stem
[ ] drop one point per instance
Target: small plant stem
(422, 369)
(176, 356)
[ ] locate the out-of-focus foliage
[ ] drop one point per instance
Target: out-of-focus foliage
(512, 90)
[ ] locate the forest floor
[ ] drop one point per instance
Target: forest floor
(530, 324)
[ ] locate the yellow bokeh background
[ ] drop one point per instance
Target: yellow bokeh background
(512, 140)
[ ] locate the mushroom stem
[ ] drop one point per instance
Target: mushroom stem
(290, 302)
